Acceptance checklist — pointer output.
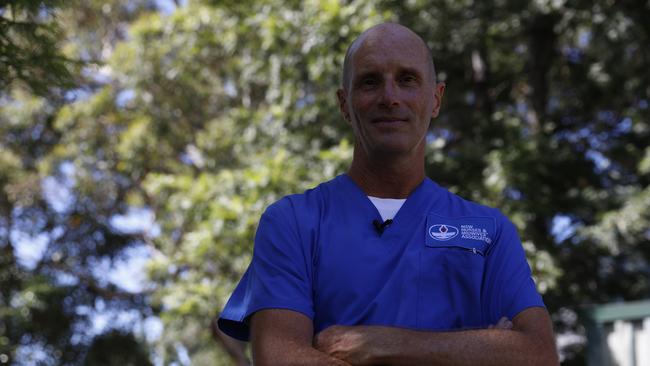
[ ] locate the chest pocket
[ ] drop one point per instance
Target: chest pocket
(452, 260)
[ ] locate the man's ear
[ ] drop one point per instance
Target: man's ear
(343, 104)
(438, 92)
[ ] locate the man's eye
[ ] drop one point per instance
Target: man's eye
(369, 82)
(409, 79)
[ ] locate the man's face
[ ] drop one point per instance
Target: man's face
(391, 96)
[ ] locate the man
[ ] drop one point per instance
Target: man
(381, 265)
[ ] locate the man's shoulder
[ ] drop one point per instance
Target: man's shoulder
(455, 205)
(308, 201)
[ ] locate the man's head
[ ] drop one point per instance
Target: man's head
(389, 92)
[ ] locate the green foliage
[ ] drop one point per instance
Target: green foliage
(209, 113)
(28, 46)
(117, 349)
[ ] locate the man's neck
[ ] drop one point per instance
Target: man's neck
(387, 178)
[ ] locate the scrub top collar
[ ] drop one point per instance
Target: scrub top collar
(418, 203)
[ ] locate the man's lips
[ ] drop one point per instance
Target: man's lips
(388, 120)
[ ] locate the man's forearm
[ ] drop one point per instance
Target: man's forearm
(530, 342)
(471, 347)
(292, 355)
(283, 337)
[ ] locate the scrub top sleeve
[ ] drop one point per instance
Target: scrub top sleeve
(509, 287)
(281, 267)
(279, 276)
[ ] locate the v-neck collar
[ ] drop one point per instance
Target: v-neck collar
(420, 196)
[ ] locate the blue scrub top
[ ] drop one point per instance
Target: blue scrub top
(444, 263)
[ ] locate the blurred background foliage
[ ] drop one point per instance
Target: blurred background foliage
(149, 135)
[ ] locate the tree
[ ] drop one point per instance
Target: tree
(28, 46)
(117, 349)
(48, 301)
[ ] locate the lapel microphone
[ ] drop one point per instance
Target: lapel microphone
(381, 226)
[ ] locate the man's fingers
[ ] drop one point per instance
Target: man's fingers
(503, 323)
(325, 340)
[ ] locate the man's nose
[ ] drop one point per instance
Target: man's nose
(389, 97)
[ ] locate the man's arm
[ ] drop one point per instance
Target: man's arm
(284, 337)
(529, 342)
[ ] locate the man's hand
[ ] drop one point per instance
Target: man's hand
(357, 345)
(504, 323)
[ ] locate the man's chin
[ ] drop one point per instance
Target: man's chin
(392, 148)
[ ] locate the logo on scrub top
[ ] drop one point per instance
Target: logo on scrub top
(443, 232)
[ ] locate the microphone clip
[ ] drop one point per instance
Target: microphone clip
(381, 226)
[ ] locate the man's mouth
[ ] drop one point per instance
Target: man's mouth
(388, 120)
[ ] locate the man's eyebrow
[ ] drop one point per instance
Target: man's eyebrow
(366, 74)
(401, 70)
(410, 70)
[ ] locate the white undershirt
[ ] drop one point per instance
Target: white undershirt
(387, 207)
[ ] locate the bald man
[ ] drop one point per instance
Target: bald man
(381, 266)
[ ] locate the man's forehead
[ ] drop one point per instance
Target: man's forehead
(397, 46)
(374, 59)
(387, 35)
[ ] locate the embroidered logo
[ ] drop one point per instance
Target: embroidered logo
(443, 232)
